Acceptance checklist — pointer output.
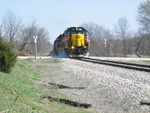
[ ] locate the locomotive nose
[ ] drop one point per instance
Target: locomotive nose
(78, 40)
(77, 37)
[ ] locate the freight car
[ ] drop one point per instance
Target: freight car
(73, 42)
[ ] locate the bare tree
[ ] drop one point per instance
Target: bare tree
(43, 42)
(97, 34)
(107, 37)
(11, 24)
(25, 37)
(144, 20)
(137, 40)
(121, 29)
(25, 43)
(144, 15)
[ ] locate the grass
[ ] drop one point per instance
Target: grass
(147, 61)
(19, 93)
(141, 62)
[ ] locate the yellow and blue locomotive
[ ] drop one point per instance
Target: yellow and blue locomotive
(73, 41)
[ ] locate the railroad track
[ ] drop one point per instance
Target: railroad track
(133, 66)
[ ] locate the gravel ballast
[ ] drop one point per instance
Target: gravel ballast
(108, 89)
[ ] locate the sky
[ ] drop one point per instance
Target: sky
(57, 15)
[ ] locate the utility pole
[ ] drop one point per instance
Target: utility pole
(35, 45)
(105, 40)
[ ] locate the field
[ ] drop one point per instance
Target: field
(20, 93)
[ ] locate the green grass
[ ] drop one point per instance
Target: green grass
(19, 93)
(141, 62)
(147, 61)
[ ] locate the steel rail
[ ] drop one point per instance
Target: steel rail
(133, 66)
(126, 63)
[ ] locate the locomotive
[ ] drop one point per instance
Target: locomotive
(73, 42)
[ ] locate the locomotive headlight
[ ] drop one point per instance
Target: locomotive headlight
(84, 46)
(72, 47)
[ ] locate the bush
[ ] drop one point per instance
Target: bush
(7, 56)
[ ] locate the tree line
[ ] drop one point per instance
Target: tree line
(21, 35)
(121, 42)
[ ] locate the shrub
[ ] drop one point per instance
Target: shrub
(7, 56)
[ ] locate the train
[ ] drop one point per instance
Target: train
(73, 42)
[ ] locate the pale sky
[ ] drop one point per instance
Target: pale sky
(57, 15)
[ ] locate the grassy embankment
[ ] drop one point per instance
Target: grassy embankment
(19, 93)
(147, 61)
(139, 62)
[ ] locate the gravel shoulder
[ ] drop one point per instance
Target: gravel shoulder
(109, 89)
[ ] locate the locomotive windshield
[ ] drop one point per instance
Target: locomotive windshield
(76, 32)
